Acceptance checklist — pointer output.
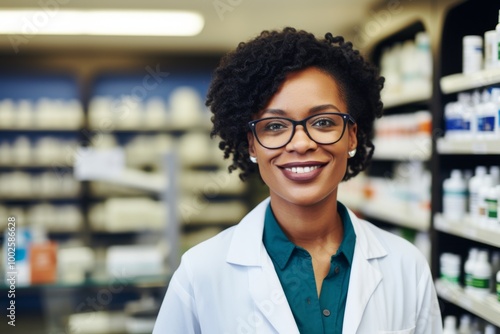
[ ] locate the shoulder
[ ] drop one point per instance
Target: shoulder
(397, 250)
(211, 250)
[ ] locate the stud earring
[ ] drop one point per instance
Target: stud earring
(253, 159)
(352, 153)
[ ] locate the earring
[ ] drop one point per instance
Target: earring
(352, 153)
(253, 159)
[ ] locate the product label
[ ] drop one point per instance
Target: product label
(491, 208)
(448, 278)
(481, 283)
(486, 124)
(453, 124)
(468, 279)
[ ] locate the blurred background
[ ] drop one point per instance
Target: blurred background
(108, 173)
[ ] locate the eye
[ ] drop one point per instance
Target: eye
(275, 125)
(324, 122)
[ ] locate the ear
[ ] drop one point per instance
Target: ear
(352, 130)
(251, 143)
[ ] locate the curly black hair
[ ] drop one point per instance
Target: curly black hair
(248, 77)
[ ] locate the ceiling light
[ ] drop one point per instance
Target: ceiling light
(100, 22)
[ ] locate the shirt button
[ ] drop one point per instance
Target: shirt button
(337, 269)
(326, 313)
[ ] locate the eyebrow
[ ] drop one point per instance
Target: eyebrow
(313, 110)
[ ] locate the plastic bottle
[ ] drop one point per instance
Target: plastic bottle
(486, 114)
(497, 28)
(495, 267)
(474, 186)
(486, 184)
(454, 196)
(491, 200)
(481, 275)
(498, 285)
(469, 268)
(465, 325)
(490, 49)
(450, 267)
(450, 325)
(472, 54)
(453, 121)
(489, 329)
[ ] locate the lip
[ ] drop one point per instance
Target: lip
(305, 176)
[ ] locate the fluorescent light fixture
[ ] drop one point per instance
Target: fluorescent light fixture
(60, 21)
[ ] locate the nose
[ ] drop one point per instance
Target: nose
(300, 141)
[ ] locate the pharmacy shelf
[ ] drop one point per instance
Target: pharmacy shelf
(402, 149)
(473, 146)
(156, 281)
(42, 129)
(487, 307)
(465, 229)
(396, 100)
(393, 214)
(459, 82)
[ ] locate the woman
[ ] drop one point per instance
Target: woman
(301, 111)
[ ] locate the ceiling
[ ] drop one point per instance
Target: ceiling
(227, 22)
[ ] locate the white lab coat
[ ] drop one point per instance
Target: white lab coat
(228, 285)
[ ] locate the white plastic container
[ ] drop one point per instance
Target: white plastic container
(454, 196)
(486, 184)
(486, 115)
(465, 325)
(472, 54)
(474, 186)
(481, 275)
(490, 49)
(489, 329)
(450, 325)
(469, 268)
(498, 286)
(497, 29)
(450, 267)
(491, 200)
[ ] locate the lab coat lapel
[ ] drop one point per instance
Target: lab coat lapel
(247, 250)
(365, 276)
(269, 297)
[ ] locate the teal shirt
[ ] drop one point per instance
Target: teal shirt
(293, 265)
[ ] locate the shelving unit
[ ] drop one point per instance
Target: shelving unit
(463, 153)
(465, 229)
(487, 308)
(455, 83)
(471, 146)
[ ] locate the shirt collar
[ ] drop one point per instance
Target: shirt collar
(280, 248)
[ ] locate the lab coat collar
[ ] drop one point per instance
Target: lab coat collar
(247, 249)
(246, 244)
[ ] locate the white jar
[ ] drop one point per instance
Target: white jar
(472, 54)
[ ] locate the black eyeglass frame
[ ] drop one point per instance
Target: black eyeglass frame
(345, 118)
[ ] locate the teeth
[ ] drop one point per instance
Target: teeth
(300, 170)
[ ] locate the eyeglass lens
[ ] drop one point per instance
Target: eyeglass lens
(276, 132)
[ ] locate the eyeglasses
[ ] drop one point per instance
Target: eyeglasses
(324, 129)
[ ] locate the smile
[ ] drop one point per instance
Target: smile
(301, 170)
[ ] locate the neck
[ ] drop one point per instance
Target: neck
(311, 227)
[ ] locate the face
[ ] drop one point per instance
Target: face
(303, 172)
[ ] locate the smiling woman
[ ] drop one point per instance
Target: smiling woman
(299, 111)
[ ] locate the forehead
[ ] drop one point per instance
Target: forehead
(303, 90)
